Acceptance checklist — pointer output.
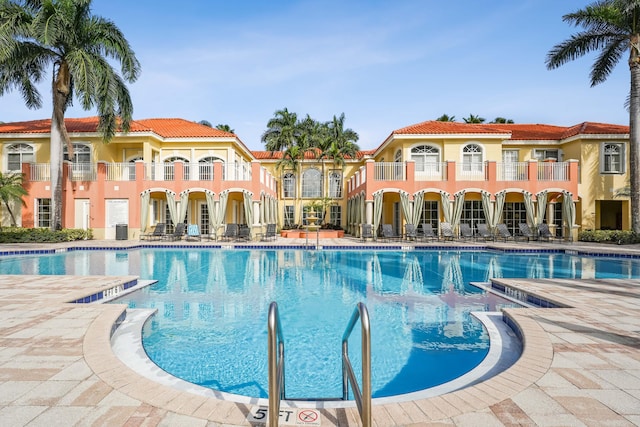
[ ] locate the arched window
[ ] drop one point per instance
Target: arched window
(398, 156)
(169, 168)
(311, 183)
(81, 167)
(205, 168)
(335, 184)
(17, 154)
(427, 158)
(288, 185)
(81, 153)
(472, 158)
(612, 159)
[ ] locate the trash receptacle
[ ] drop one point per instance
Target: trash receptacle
(122, 231)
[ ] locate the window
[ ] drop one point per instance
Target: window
(513, 214)
(169, 168)
(43, 213)
(472, 158)
(544, 154)
(205, 168)
(398, 156)
(612, 158)
(81, 167)
(288, 216)
(430, 214)
(311, 183)
(81, 153)
(427, 158)
(204, 219)
(472, 213)
(335, 184)
(288, 185)
(17, 154)
(335, 215)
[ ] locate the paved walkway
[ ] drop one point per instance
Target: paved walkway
(580, 365)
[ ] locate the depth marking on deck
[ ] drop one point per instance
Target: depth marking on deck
(289, 416)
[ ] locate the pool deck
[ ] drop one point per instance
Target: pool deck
(580, 365)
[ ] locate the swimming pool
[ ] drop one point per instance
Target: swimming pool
(212, 305)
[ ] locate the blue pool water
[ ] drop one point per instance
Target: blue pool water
(210, 328)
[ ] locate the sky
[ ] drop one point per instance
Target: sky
(384, 64)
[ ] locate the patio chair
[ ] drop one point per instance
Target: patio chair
(484, 233)
(193, 232)
(367, 232)
(178, 232)
(269, 234)
(410, 232)
(230, 232)
(157, 234)
(503, 232)
(446, 231)
(388, 233)
(466, 232)
(427, 232)
(544, 233)
(526, 232)
(244, 233)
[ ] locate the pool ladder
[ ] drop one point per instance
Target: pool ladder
(276, 365)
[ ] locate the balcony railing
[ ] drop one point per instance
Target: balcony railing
(82, 171)
(512, 171)
(389, 171)
(436, 171)
(471, 171)
(239, 172)
(40, 172)
(553, 171)
(121, 172)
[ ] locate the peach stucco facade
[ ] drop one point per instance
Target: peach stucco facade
(173, 170)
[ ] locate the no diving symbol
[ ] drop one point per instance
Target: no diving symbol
(308, 417)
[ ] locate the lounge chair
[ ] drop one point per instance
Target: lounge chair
(503, 232)
(410, 232)
(388, 233)
(157, 234)
(367, 232)
(526, 232)
(483, 232)
(230, 232)
(544, 233)
(269, 234)
(178, 232)
(427, 232)
(466, 232)
(244, 233)
(446, 231)
(193, 232)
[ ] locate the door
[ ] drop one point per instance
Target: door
(510, 165)
(82, 216)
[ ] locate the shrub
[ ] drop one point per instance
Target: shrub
(620, 237)
(43, 235)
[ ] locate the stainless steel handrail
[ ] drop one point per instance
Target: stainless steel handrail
(363, 399)
(276, 364)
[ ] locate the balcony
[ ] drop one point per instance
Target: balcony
(451, 177)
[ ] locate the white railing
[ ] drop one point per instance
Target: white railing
(40, 172)
(556, 171)
(512, 171)
(82, 171)
(436, 171)
(389, 171)
(205, 171)
(471, 171)
(121, 172)
(239, 172)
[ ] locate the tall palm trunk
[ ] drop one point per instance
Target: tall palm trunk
(61, 90)
(634, 134)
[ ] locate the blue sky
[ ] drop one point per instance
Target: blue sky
(384, 64)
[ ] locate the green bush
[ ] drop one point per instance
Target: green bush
(43, 235)
(620, 237)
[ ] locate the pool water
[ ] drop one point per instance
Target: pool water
(210, 328)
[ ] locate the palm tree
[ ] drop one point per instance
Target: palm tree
(12, 191)
(611, 27)
(63, 34)
(206, 123)
(225, 128)
(474, 119)
(502, 120)
(446, 118)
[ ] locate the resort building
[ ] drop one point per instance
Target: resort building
(173, 170)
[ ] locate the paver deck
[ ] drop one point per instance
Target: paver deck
(580, 365)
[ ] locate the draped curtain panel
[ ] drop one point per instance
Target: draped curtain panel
(184, 204)
(221, 212)
(446, 206)
(406, 208)
(528, 206)
(208, 195)
(487, 207)
(541, 207)
(458, 205)
(377, 212)
(171, 204)
(418, 204)
(248, 211)
(145, 198)
(497, 212)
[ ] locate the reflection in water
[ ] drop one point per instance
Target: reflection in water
(212, 305)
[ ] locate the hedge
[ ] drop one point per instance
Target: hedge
(43, 235)
(620, 237)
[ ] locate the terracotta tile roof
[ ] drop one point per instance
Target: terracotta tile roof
(166, 128)
(517, 131)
